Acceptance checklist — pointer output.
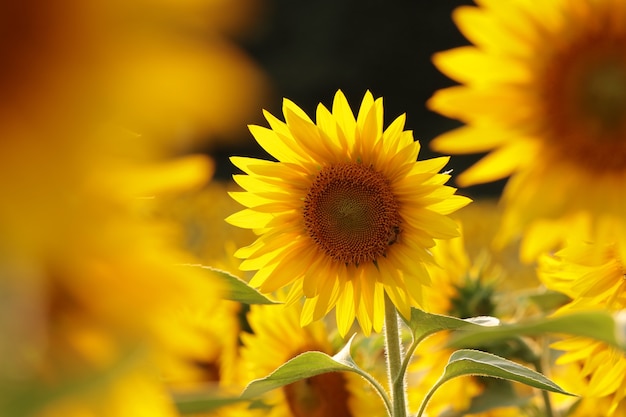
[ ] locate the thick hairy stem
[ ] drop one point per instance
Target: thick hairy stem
(395, 370)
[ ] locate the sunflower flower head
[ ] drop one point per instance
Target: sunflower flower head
(471, 279)
(266, 348)
(593, 276)
(346, 214)
(543, 91)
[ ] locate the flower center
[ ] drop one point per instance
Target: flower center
(351, 212)
(585, 91)
(602, 97)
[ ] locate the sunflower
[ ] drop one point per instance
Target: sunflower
(544, 92)
(470, 279)
(91, 283)
(568, 376)
(76, 272)
(346, 215)
(212, 363)
(593, 276)
(277, 337)
(471, 276)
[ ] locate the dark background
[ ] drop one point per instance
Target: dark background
(310, 49)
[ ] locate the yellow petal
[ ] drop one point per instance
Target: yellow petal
(249, 165)
(345, 308)
(437, 225)
(249, 219)
(480, 28)
(450, 204)
(393, 134)
(328, 125)
(345, 118)
(470, 139)
(399, 298)
(279, 146)
(498, 164)
(500, 106)
(471, 66)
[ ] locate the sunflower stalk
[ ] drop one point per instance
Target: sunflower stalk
(538, 363)
(395, 370)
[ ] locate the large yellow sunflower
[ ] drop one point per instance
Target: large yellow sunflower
(544, 91)
(346, 215)
(277, 337)
(593, 276)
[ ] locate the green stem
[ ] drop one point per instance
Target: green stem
(537, 358)
(426, 399)
(540, 368)
(380, 390)
(395, 371)
(408, 355)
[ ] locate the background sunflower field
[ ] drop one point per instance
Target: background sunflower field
(133, 282)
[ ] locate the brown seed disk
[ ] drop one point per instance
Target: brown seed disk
(351, 212)
(583, 91)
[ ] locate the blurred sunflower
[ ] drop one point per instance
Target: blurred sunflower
(544, 91)
(277, 337)
(91, 283)
(200, 214)
(346, 215)
(471, 279)
(164, 68)
(471, 276)
(592, 275)
(568, 376)
(214, 362)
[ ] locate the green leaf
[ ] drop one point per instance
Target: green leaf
(308, 365)
(592, 324)
(424, 324)
(204, 401)
(474, 362)
(238, 289)
(305, 365)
